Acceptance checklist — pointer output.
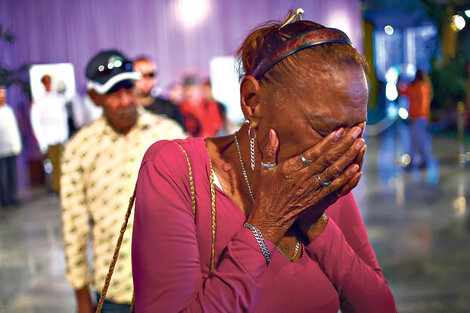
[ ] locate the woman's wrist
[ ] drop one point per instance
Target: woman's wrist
(271, 230)
(271, 233)
(260, 240)
(313, 230)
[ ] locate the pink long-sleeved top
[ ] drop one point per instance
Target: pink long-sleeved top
(171, 250)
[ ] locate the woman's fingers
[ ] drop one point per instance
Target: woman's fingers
(353, 182)
(269, 154)
(360, 157)
(298, 162)
(334, 153)
(335, 169)
(339, 183)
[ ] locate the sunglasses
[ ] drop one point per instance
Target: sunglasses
(149, 75)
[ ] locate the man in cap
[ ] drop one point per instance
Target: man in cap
(99, 170)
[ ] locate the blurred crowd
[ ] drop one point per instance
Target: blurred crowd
(54, 119)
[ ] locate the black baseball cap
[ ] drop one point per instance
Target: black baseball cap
(107, 69)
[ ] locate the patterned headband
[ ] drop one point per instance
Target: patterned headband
(301, 41)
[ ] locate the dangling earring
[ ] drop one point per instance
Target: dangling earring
(252, 147)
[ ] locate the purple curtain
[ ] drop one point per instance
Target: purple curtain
(53, 31)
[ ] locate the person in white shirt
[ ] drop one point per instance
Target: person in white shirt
(10, 148)
(50, 127)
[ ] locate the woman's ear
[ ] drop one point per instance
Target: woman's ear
(250, 99)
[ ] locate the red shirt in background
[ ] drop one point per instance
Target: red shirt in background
(201, 117)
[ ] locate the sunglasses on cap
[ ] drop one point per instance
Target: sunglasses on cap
(115, 64)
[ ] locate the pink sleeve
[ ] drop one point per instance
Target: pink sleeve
(346, 256)
(165, 255)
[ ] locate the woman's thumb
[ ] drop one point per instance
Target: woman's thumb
(270, 149)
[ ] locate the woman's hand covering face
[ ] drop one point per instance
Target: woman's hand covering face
(292, 191)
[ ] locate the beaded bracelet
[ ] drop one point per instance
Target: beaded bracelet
(260, 240)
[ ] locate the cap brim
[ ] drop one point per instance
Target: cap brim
(102, 89)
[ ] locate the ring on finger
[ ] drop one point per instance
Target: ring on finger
(304, 160)
(324, 183)
(268, 165)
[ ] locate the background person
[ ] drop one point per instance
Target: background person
(419, 92)
(49, 121)
(10, 148)
(228, 127)
(201, 118)
(277, 241)
(99, 171)
(175, 93)
(145, 87)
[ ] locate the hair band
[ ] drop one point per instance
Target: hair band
(299, 42)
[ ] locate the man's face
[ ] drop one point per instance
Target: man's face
(46, 81)
(191, 92)
(176, 93)
(148, 81)
(206, 91)
(3, 95)
(119, 108)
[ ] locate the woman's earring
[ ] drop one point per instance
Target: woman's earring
(252, 147)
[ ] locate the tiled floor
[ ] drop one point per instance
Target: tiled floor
(418, 223)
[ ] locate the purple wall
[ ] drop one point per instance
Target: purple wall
(53, 31)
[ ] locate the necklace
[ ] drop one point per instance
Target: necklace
(243, 168)
(297, 246)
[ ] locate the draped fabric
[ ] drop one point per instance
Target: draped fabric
(181, 35)
(54, 31)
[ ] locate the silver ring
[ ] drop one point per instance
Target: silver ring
(304, 160)
(324, 183)
(271, 165)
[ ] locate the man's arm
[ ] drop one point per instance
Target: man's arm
(85, 305)
(38, 129)
(75, 226)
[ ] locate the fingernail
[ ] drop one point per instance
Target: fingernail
(359, 144)
(364, 149)
(270, 135)
(339, 133)
(354, 168)
(356, 132)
